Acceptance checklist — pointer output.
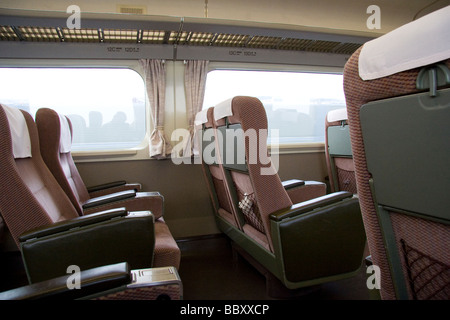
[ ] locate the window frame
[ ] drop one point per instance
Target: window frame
(134, 153)
(282, 148)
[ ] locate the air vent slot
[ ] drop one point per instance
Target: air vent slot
(131, 9)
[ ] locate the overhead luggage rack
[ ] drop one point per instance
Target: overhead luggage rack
(45, 34)
(39, 34)
(23, 25)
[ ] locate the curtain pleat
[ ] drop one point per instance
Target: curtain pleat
(155, 83)
(194, 81)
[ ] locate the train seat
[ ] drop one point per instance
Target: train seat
(297, 190)
(398, 104)
(55, 139)
(235, 167)
(49, 127)
(55, 135)
(280, 235)
(46, 226)
(338, 152)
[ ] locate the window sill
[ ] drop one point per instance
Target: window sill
(140, 154)
(288, 148)
(84, 156)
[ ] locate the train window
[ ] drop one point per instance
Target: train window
(105, 105)
(296, 103)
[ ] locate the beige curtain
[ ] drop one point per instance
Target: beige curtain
(155, 82)
(194, 82)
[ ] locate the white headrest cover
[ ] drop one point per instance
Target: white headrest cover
(419, 43)
(223, 110)
(65, 144)
(337, 115)
(20, 135)
(201, 117)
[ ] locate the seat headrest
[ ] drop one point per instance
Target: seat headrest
(419, 43)
(201, 117)
(65, 144)
(223, 110)
(337, 115)
(20, 136)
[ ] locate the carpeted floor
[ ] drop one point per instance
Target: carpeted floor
(210, 270)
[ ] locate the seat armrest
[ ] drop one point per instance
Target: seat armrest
(117, 196)
(306, 206)
(106, 186)
(95, 192)
(330, 232)
(129, 238)
(73, 223)
(92, 281)
(293, 183)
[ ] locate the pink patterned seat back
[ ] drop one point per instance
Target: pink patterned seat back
(419, 243)
(256, 193)
(30, 195)
(52, 131)
(55, 134)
